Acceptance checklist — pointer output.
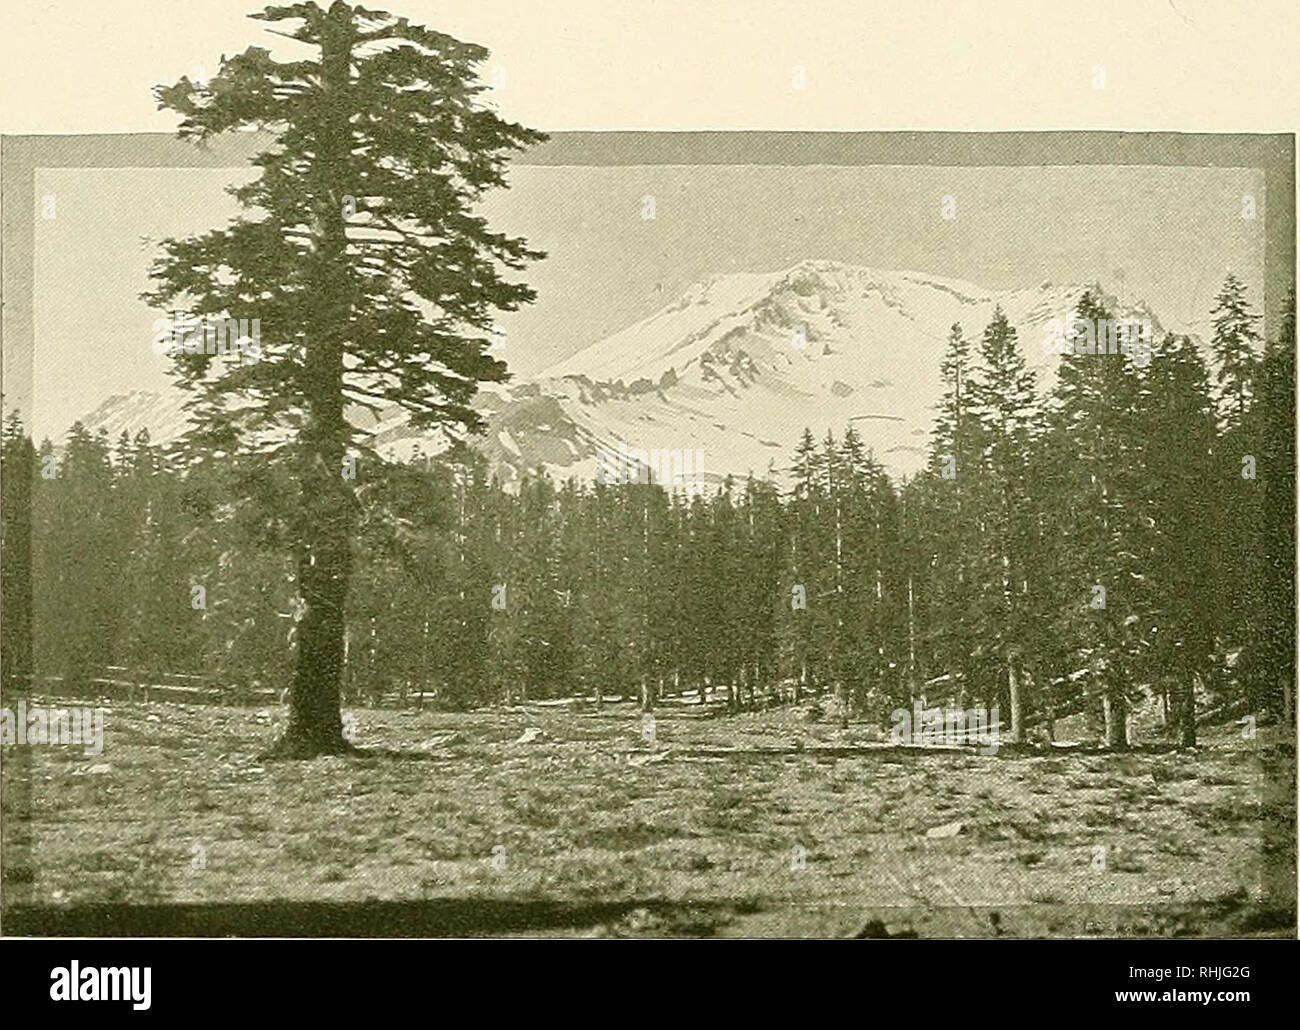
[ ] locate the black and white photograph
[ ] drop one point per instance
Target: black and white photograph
(438, 502)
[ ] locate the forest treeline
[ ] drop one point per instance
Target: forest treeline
(1130, 533)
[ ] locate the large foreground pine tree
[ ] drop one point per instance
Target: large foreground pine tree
(373, 280)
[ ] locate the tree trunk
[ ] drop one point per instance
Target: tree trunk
(647, 703)
(1013, 690)
(325, 556)
(1186, 711)
(842, 696)
(1116, 719)
(1043, 691)
(315, 724)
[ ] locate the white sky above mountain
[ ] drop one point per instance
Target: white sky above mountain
(1162, 235)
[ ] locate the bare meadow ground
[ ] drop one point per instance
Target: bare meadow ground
(694, 833)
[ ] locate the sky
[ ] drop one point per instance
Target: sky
(1203, 65)
(1164, 235)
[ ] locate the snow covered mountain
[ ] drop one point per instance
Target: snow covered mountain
(161, 414)
(740, 364)
(736, 368)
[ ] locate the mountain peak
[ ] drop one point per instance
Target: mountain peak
(737, 366)
(768, 303)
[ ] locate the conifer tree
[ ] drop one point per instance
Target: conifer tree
(364, 203)
(1175, 534)
(1234, 342)
(1091, 459)
(18, 469)
(1270, 435)
(1003, 402)
(952, 479)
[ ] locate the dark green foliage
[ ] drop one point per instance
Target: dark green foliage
(971, 589)
(372, 278)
